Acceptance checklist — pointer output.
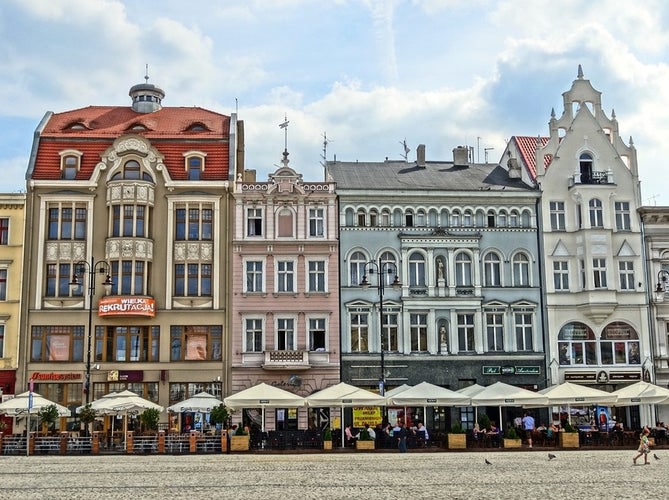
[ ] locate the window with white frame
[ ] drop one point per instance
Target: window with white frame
(58, 278)
(3, 283)
(194, 222)
(316, 276)
(524, 330)
(626, 273)
(385, 217)
(623, 219)
(390, 329)
(557, 215)
(418, 331)
(577, 344)
(362, 218)
(317, 222)
(373, 218)
(492, 269)
(521, 269)
(2, 340)
(466, 340)
(285, 334)
(416, 270)
(195, 166)
(357, 265)
(317, 334)
(494, 324)
(67, 221)
(359, 332)
(192, 280)
(254, 222)
(619, 344)
(285, 276)
(253, 335)
(254, 276)
(561, 275)
(129, 220)
(456, 218)
(70, 166)
(131, 277)
(4, 230)
(599, 272)
(596, 213)
(463, 269)
(409, 218)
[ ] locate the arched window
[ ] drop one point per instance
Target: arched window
(463, 269)
(362, 218)
(416, 270)
(521, 270)
(619, 345)
(596, 213)
(585, 167)
(389, 268)
(577, 344)
(195, 168)
(131, 170)
(492, 270)
(357, 264)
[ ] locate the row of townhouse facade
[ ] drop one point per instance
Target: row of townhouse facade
(145, 256)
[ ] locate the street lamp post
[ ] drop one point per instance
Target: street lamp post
(660, 288)
(381, 268)
(92, 268)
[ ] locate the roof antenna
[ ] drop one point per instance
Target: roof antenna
(284, 126)
(324, 156)
(146, 75)
(406, 149)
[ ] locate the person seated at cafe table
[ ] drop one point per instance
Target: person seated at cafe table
(493, 434)
(349, 437)
(370, 432)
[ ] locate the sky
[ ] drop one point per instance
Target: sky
(355, 79)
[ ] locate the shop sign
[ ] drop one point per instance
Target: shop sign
(528, 370)
(508, 370)
(58, 377)
(491, 370)
(602, 377)
(124, 305)
(367, 415)
(583, 377)
(624, 376)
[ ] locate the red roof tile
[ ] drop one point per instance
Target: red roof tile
(527, 147)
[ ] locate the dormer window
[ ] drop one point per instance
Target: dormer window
(132, 170)
(194, 165)
(197, 127)
(138, 127)
(75, 126)
(70, 162)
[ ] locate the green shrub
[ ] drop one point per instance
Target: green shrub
(327, 435)
(511, 433)
(456, 428)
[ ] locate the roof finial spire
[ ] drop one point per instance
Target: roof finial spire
(146, 74)
(580, 72)
(284, 126)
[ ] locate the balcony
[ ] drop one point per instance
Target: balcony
(285, 360)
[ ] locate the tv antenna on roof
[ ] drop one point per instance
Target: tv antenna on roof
(406, 149)
(146, 74)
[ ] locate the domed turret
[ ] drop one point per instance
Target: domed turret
(146, 97)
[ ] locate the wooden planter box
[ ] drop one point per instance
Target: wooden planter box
(364, 445)
(239, 443)
(457, 441)
(568, 439)
(327, 445)
(511, 443)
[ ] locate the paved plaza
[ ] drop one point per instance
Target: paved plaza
(524, 474)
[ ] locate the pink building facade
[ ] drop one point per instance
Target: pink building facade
(285, 291)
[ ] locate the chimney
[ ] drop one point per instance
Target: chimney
(420, 155)
(460, 156)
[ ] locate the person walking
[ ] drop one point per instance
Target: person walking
(644, 446)
(528, 426)
(400, 434)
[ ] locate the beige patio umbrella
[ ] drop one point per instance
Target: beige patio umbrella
(263, 396)
(500, 394)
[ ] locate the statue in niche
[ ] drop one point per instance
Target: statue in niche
(443, 340)
(440, 269)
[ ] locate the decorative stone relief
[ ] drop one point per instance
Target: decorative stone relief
(117, 248)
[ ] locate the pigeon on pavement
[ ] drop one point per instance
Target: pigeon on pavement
(655, 456)
(551, 456)
(487, 462)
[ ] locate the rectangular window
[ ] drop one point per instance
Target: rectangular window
(626, 269)
(194, 222)
(254, 276)
(316, 222)
(58, 278)
(254, 222)
(418, 329)
(253, 335)
(495, 331)
(57, 343)
(285, 276)
(390, 331)
(317, 340)
(3, 284)
(523, 324)
(67, 222)
(359, 332)
(4, 231)
(561, 275)
(285, 334)
(623, 219)
(316, 271)
(130, 277)
(466, 332)
(599, 272)
(2, 341)
(196, 343)
(557, 215)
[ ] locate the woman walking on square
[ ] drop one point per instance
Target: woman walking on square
(644, 446)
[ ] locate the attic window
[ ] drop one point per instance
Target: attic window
(76, 126)
(197, 127)
(70, 163)
(194, 164)
(138, 127)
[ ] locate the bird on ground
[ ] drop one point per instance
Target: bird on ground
(551, 456)
(655, 456)
(487, 462)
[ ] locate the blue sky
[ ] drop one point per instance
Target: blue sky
(368, 73)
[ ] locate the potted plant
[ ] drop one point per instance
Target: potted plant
(568, 437)
(149, 420)
(511, 439)
(219, 416)
(327, 439)
(240, 440)
(457, 438)
(87, 416)
(48, 416)
(364, 442)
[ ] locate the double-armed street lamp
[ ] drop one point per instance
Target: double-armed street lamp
(92, 268)
(661, 287)
(381, 269)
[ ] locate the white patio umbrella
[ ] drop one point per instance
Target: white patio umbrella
(500, 394)
(569, 394)
(397, 390)
(263, 396)
(469, 391)
(426, 394)
(202, 402)
(344, 395)
(640, 393)
(18, 405)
